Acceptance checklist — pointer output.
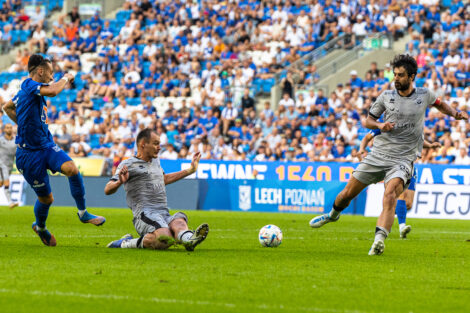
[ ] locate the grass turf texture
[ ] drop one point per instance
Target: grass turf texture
(325, 270)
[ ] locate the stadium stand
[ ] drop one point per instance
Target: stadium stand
(192, 72)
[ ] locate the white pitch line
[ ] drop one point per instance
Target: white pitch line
(163, 300)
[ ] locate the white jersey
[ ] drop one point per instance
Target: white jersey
(405, 140)
(145, 188)
(7, 151)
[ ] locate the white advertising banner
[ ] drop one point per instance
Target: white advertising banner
(437, 201)
(16, 188)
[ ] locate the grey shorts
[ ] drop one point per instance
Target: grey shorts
(150, 220)
(368, 174)
(5, 172)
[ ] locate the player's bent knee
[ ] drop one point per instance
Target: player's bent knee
(46, 199)
(69, 169)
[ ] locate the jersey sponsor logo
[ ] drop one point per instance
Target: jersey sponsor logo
(37, 184)
(44, 118)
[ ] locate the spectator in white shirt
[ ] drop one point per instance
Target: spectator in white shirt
(169, 153)
(39, 37)
(123, 109)
(462, 158)
(286, 101)
(229, 114)
(359, 28)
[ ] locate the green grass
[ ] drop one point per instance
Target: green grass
(325, 270)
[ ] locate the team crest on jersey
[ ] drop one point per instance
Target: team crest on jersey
(419, 101)
(392, 100)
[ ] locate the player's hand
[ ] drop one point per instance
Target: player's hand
(195, 162)
(123, 174)
(462, 115)
(361, 154)
(386, 127)
(435, 145)
(71, 77)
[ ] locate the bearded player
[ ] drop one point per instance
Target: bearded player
(395, 150)
(36, 151)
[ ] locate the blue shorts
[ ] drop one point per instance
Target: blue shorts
(33, 164)
(413, 180)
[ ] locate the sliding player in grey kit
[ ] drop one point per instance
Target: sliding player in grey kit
(144, 182)
(394, 150)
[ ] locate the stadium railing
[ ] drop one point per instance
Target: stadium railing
(376, 41)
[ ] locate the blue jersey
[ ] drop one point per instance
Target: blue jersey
(375, 132)
(31, 114)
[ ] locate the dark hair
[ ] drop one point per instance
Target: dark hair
(35, 61)
(144, 135)
(407, 61)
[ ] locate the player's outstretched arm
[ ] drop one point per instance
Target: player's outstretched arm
(113, 185)
(54, 89)
(173, 177)
(10, 110)
(448, 110)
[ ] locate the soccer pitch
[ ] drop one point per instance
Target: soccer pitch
(323, 270)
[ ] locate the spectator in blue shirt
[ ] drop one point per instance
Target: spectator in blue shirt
(355, 81)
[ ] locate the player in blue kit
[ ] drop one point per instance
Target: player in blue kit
(405, 200)
(36, 151)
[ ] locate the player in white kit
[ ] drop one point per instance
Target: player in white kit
(394, 150)
(7, 159)
(144, 182)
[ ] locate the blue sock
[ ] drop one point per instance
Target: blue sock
(400, 210)
(77, 189)
(41, 211)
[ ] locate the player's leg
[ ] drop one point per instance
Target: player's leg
(352, 189)
(190, 239)
(6, 185)
(32, 165)
(393, 189)
(405, 203)
(59, 161)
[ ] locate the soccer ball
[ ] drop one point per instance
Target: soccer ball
(270, 236)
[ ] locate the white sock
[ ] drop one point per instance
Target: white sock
(401, 226)
(184, 235)
(8, 194)
(40, 228)
(131, 243)
(380, 234)
(334, 214)
(81, 212)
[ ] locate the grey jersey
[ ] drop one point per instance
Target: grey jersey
(7, 151)
(145, 187)
(405, 141)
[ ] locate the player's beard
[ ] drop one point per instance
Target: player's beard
(402, 87)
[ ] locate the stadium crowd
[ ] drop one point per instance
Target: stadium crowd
(192, 73)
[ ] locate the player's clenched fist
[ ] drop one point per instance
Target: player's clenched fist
(70, 77)
(386, 127)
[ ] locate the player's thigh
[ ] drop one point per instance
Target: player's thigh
(33, 166)
(369, 174)
(5, 172)
(57, 158)
(150, 220)
(394, 187)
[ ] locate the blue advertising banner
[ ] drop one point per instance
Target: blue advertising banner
(273, 196)
(308, 171)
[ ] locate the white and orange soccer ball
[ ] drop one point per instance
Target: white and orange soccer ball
(270, 236)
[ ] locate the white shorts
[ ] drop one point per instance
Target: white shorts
(371, 174)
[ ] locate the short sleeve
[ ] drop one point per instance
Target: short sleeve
(33, 87)
(432, 98)
(378, 107)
